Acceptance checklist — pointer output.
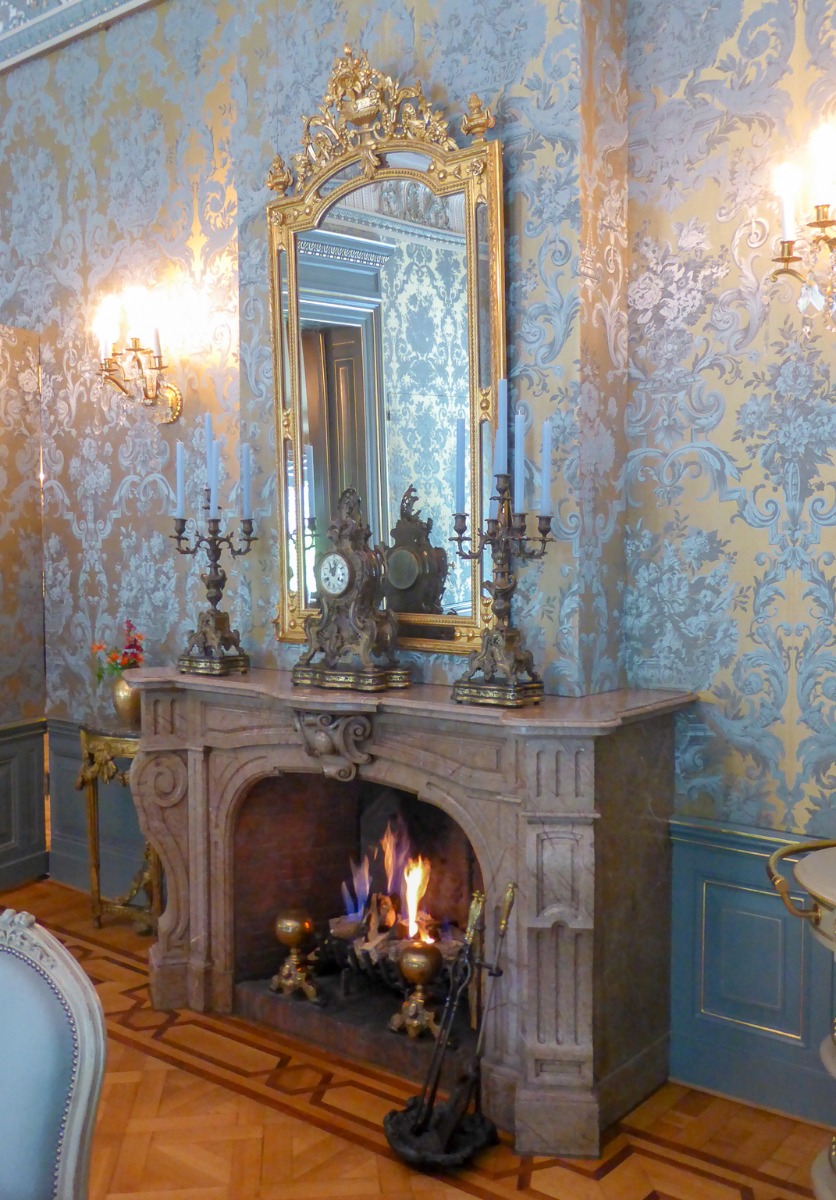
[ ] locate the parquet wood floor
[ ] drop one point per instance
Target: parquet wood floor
(197, 1107)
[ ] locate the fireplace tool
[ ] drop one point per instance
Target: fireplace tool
(427, 1134)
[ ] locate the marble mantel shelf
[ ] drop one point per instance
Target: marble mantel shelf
(570, 798)
(588, 715)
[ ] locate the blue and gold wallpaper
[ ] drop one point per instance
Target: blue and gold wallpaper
(693, 464)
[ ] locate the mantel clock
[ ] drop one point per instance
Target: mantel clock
(353, 634)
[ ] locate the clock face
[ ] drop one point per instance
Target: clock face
(334, 574)
(403, 568)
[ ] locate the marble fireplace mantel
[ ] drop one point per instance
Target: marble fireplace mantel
(571, 799)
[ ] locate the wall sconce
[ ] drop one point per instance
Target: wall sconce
(133, 369)
(788, 183)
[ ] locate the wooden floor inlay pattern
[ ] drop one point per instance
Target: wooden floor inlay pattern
(197, 1107)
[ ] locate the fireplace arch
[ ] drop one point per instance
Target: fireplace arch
(570, 800)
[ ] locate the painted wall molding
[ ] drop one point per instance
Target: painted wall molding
(43, 24)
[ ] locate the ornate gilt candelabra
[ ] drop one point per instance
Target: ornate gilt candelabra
(821, 239)
(137, 373)
(501, 660)
(213, 648)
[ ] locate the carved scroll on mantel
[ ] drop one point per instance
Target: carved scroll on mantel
(335, 741)
(570, 800)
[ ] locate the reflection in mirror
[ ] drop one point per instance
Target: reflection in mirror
(384, 311)
(483, 292)
(290, 521)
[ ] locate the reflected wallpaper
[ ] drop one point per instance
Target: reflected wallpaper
(693, 466)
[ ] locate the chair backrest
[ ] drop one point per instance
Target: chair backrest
(52, 1056)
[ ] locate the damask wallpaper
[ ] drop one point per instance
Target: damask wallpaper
(693, 472)
(21, 534)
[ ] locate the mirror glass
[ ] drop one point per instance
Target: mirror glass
(389, 323)
(383, 312)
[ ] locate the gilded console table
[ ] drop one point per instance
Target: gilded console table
(99, 754)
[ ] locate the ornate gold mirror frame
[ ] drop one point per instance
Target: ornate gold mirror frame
(371, 131)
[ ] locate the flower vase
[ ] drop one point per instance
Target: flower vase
(127, 702)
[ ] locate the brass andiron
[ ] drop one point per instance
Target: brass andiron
(501, 660)
(293, 930)
(213, 648)
(419, 964)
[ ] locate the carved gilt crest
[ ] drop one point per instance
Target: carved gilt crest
(361, 109)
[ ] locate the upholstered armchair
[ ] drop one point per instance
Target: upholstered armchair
(52, 1054)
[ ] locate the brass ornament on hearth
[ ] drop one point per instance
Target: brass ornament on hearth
(419, 963)
(294, 930)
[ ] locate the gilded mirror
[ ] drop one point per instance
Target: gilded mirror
(387, 294)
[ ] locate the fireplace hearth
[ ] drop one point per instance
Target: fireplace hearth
(571, 800)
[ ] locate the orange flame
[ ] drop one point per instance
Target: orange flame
(416, 877)
(389, 843)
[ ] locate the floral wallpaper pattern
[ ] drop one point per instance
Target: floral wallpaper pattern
(692, 468)
(730, 473)
(425, 372)
(21, 535)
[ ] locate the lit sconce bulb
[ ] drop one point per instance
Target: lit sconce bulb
(823, 165)
(138, 304)
(106, 325)
(785, 182)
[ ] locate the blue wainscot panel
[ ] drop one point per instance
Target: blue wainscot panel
(752, 991)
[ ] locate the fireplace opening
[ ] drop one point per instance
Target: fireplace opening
(341, 865)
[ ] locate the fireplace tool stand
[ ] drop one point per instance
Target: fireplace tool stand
(508, 678)
(428, 1134)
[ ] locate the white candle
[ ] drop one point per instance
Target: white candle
(501, 452)
(459, 503)
(545, 470)
(103, 349)
(823, 165)
(785, 181)
(519, 461)
(207, 424)
(157, 348)
(180, 510)
(246, 484)
(493, 509)
(214, 478)
(309, 478)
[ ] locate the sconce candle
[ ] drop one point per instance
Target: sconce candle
(785, 182)
(214, 479)
(545, 470)
(246, 483)
(207, 425)
(180, 510)
(519, 461)
(500, 464)
(158, 350)
(459, 500)
(309, 477)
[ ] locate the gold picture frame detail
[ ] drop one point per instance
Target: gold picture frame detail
(365, 118)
